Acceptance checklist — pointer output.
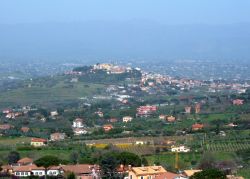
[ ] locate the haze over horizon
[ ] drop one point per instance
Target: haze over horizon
(162, 30)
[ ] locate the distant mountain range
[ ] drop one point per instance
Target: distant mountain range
(124, 40)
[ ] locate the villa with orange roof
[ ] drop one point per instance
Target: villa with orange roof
(145, 172)
(38, 142)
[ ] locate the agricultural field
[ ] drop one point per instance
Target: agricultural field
(185, 160)
(137, 149)
(228, 146)
(58, 91)
(14, 141)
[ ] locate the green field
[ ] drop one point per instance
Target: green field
(186, 160)
(60, 91)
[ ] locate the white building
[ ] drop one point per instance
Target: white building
(139, 142)
(127, 119)
(39, 171)
(78, 123)
(54, 113)
(54, 171)
(181, 148)
(80, 131)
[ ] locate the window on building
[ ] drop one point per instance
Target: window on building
(22, 173)
(142, 177)
(17, 173)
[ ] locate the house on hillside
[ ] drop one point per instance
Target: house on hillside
(181, 148)
(25, 129)
(197, 108)
(57, 136)
(113, 120)
(162, 116)
(7, 111)
(80, 131)
(38, 142)
(107, 127)
(238, 102)
(78, 123)
(25, 161)
(54, 113)
(170, 118)
(188, 109)
(196, 127)
(99, 113)
(127, 119)
(5, 126)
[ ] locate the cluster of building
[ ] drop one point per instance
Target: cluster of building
(168, 118)
(145, 111)
(14, 113)
(79, 127)
(234, 87)
(197, 108)
(112, 69)
(149, 80)
(25, 167)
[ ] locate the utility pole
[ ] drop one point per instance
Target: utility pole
(176, 161)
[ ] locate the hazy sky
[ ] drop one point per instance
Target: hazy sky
(163, 11)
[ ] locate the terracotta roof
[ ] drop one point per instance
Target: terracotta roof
(25, 160)
(197, 126)
(167, 175)
(78, 169)
(189, 173)
(25, 129)
(38, 140)
(5, 126)
(6, 167)
(78, 120)
(54, 167)
(149, 170)
(27, 168)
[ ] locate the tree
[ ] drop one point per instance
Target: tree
(13, 157)
(108, 167)
(209, 173)
(71, 176)
(207, 162)
(127, 158)
(74, 156)
(46, 162)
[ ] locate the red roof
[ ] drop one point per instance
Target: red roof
(38, 140)
(79, 168)
(25, 160)
(197, 126)
(27, 168)
(167, 175)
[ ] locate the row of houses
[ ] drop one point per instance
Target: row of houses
(26, 168)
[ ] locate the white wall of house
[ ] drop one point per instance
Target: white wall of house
(38, 172)
(22, 174)
(78, 124)
(53, 172)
